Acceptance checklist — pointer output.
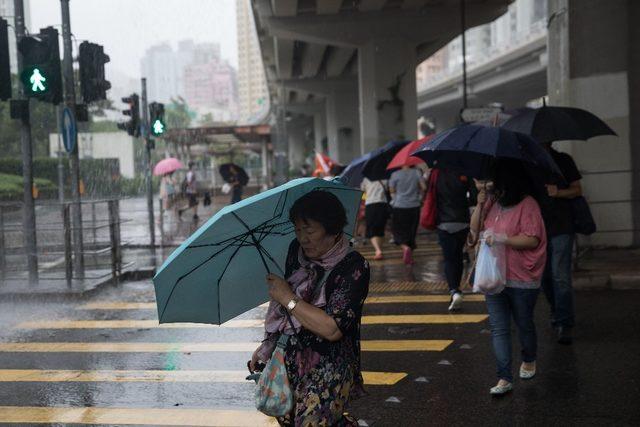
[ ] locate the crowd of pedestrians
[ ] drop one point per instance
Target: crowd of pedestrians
(531, 222)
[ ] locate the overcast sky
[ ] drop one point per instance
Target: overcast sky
(127, 28)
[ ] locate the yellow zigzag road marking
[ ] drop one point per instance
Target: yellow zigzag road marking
(134, 416)
(117, 305)
(152, 347)
(31, 375)
(244, 323)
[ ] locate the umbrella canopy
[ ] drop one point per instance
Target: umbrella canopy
(404, 157)
(548, 124)
(354, 173)
(227, 175)
(219, 272)
(168, 165)
(471, 149)
(376, 167)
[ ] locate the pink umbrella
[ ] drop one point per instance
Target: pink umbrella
(166, 166)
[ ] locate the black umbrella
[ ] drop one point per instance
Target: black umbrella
(227, 174)
(548, 124)
(376, 166)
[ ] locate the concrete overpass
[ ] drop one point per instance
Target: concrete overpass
(350, 64)
(512, 78)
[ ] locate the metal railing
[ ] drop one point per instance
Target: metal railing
(102, 236)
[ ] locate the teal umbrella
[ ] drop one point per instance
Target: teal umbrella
(219, 272)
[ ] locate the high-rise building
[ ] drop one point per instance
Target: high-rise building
(253, 95)
(195, 72)
(162, 72)
(7, 12)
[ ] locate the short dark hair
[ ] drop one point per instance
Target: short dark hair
(323, 207)
(511, 181)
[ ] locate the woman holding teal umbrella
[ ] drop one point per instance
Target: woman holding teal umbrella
(318, 304)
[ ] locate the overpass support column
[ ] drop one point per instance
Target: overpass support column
(594, 63)
(300, 145)
(343, 131)
(320, 131)
(388, 101)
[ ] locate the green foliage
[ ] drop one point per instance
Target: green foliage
(11, 187)
(137, 186)
(206, 120)
(177, 114)
(99, 176)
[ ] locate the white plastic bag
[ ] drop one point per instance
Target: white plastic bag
(226, 188)
(491, 269)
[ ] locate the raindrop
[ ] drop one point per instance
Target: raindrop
(393, 399)
(465, 347)
(444, 362)
(422, 380)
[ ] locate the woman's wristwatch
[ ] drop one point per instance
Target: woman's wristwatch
(292, 303)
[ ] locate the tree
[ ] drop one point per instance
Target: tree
(177, 114)
(206, 120)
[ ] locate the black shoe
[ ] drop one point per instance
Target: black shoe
(564, 335)
(196, 217)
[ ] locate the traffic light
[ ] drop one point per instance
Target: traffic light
(41, 74)
(93, 83)
(156, 118)
(5, 66)
(133, 125)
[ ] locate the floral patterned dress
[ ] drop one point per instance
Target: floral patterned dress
(326, 375)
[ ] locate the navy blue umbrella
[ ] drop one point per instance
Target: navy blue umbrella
(472, 150)
(372, 165)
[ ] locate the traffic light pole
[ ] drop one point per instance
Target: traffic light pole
(29, 215)
(70, 102)
(147, 162)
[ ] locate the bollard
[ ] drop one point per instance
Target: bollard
(161, 205)
(93, 227)
(66, 227)
(3, 261)
(113, 242)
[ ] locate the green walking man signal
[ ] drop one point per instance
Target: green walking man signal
(36, 80)
(156, 118)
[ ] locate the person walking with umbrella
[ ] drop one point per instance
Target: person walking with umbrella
(453, 191)
(513, 219)
(166, 168)
(406, 187)
(236, 185)
(548, 124)
(190, 186)
(557, 283)
(376, 212)
(318, 304)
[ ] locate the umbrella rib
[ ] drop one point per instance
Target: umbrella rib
(233, 255)
(253, 237)
(175, 285)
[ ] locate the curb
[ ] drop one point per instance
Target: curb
(89, 291)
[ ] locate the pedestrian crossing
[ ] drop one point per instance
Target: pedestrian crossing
(177, 363)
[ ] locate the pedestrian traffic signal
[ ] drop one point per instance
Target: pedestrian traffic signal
(5, 66)
(41, 75)
(93, 83)
(156, 114)
(133, 125)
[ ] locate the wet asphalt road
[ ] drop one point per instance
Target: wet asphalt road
(134, 373)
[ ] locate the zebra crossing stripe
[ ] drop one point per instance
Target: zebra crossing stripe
(190, 376)
(243, 323)
(134, 416)
(159, 347)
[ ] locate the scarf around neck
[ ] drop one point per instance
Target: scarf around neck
(303, 282)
